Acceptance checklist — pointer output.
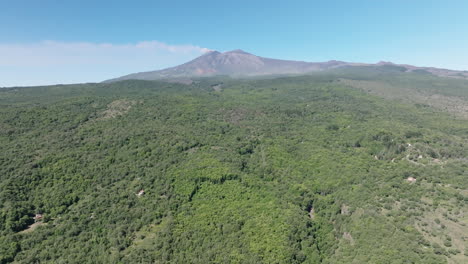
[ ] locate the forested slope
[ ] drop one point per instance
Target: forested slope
(309, 169)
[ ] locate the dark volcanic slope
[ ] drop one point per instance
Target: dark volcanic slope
(239, 63)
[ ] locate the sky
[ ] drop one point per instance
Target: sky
(65, 41)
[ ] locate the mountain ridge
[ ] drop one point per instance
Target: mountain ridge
(239, 63)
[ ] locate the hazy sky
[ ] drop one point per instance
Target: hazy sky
(49, 42)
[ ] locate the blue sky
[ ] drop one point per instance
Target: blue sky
(48, 42)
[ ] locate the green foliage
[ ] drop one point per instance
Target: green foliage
(288, 170)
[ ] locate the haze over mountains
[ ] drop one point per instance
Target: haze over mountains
(238, 63)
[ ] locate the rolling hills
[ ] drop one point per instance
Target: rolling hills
(362, 164)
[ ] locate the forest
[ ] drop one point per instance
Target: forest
(361, 165)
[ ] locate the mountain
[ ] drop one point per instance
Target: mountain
(233, 63)
(238, 63)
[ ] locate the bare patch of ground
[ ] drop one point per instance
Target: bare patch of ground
(117, 108)
(345, 209)
(349, 237)
(216, 87)
(312, 213)
(216, 147)
(32, 227)
(192, 150)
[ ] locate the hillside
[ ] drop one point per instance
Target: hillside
(352, 165)
(238, 63)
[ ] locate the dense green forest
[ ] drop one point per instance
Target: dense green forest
(361, 165)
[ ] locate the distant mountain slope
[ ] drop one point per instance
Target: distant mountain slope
(233, 63)
(238, 63)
